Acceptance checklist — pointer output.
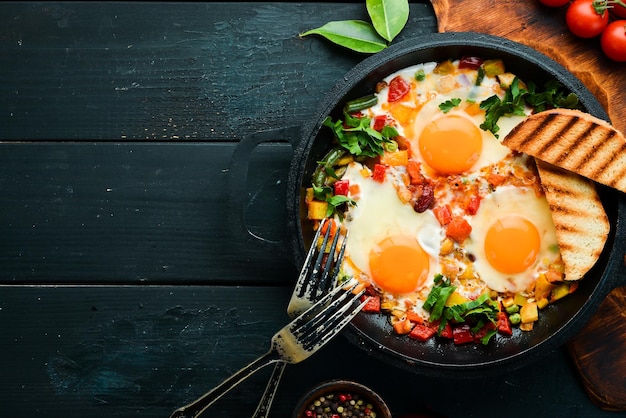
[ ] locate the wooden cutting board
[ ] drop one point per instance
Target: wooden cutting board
(602, 367)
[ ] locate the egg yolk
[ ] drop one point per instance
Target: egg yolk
(399, 265)
(451, 144)
(512, 244)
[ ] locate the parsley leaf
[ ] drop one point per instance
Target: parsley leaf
(448, 105)
(439, 294)
(357, 136)
(516, 98)
(325, 193)
(477, 312)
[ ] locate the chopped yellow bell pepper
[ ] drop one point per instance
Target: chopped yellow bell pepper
(455, 299)
(529, 313)
(317, 210)
(395, 158)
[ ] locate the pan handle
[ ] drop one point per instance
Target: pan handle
(238, 200)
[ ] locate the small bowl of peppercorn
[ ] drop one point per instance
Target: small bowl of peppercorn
(339, 399)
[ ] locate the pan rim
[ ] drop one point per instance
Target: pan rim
(339, 92)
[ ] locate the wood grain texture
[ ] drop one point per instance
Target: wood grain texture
(142, 351)
(134, 109)
(197, 72)
(599, 351)
(543, 29)
(138, 213)
(602, 367)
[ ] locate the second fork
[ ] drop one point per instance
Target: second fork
(315, 279)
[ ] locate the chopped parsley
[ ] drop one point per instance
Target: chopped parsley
(357, 136)
(475, 312)
(516, 98)
(448, 105)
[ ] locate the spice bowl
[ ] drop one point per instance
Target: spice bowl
(341, 398)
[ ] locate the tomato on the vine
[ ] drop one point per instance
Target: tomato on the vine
(586, 19)
(554, 3)
(613, 41)
(618, 9)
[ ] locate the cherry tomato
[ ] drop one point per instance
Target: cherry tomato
(584, 21)
(554, 3)
(618, 10)
(613, 40)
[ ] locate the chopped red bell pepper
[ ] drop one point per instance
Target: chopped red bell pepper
(504, 324)
(379, 172)
(446, 332)
(372, 305)
(414, 317)
(496, 179)
(379, 122)
(422, 332)
(342, 187)
(403, 327)
(415, 173)
(472, 204)
(458, 229)
(398, 88)
(462, 334)
(482, 333)
(471, 63)
(443, 214)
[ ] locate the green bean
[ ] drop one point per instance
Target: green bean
(329, 160)
(361, 103)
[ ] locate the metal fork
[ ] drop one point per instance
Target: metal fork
(315, 279)
(294, 343)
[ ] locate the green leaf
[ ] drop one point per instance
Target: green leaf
(340, 200)
(356, 136)
(448, 105)
(388, 16)
(389, 132)
(356, 35)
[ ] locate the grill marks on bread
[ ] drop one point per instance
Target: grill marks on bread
(576, 141)
(581, 224)
(569, 145)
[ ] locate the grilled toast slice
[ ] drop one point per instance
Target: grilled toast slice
(576, 141)
(581, 223)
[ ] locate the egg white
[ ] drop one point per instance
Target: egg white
(379, 214)
(429, 97)
(504, 201)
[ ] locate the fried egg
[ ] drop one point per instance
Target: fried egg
(449, 140)
(391, 244)
(488, 228)
(513, 238)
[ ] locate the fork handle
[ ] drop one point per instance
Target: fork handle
(265, 403)
(198, 406)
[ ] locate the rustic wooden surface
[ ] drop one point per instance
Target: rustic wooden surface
(602, 367)
(542, 28)
(124, 290)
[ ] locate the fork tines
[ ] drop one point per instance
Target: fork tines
(321, 276)
(342, 305)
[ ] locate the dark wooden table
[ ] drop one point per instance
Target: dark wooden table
(125, 290)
